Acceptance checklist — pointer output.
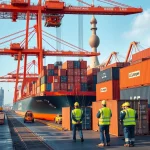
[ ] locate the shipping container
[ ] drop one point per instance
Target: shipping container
(50, 72)
(56, 79)
(83, 64)
(83, 72)
(63, 86)
(44, 80)
(70, 86)
(67, 121)
(83, 79)
(83, 86)
(142, 92)
(77, 87)
(77, 72)
(38, 89)
(38, 82)
(92, 79)
(45, 87)
(70, 72)
(108, 74)
(55, 87)
(135, 75)
(70, 79)
(50, 66)
(63, 79)
(55, 72)
(67, 65)
(49, 79)
(77, 79)
(91, 87)
(115, 105)
(117, 64)
(62, 72)
(76, 64)
(93, 71)
(43, 73)
(58, 63)
(138, 61)
(108, 90)
(142, 54)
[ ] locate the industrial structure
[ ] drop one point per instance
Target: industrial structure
(1, 97)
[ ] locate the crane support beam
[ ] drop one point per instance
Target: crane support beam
(35, 52)
(93, 10)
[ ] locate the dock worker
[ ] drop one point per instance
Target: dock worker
(121, 122)
(104, 114)
(77, 116)
(129, 116)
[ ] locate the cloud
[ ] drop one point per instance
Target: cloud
(140, 28)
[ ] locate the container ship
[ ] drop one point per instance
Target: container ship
(59, 85)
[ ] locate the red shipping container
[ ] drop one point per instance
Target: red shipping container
(56, 79)
(63, 86)
(135, 75)
(93, 71)
(55, 87)
(83, 79)
(77, 79)
(77, 72)
(67, 65)
(77, 87)
(83, 64)
(50, 79)
(44, 72)
(50, 66)
(44, 67)
(70, 72)
(62, 72)
(70, 79)
(55, 71)
(83, 72)
(70, 86)
(108, 90)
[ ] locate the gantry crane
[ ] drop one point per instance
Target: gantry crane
(52, 11)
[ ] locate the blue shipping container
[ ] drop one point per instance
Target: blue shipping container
(50, 72)
(48, 87)
(108, 74)
(95, 79)
(83, 86)
(76, 64)
(63, 79)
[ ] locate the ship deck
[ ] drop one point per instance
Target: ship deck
(63, 139)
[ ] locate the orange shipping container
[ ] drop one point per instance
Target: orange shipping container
(115, 105)
(108, 90)
(135, 75)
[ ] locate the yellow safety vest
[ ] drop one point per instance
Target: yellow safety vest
(129, 117)
(105, 116)
(77, 113)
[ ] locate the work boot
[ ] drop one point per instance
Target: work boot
(108, 144)
(126, 145)
(82, 140)
(101, 145)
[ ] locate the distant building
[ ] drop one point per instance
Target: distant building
(1, 96)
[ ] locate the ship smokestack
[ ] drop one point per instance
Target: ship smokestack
(94, 42)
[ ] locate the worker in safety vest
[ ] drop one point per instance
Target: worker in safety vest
(77, 116)
(128, 116)
(104, 114)
(121, 122)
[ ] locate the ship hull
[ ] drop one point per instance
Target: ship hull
(46, 107)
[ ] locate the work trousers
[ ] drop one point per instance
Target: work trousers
(74, 127)
(104, 128)
(129, 134)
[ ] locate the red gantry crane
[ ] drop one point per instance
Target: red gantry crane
(52, 11)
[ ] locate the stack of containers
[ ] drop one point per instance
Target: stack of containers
(108, 84)
(92, 78)
(135, 81)
(76, 75)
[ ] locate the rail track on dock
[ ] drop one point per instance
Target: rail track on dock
(23, 138)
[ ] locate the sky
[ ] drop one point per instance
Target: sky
(115, 33)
